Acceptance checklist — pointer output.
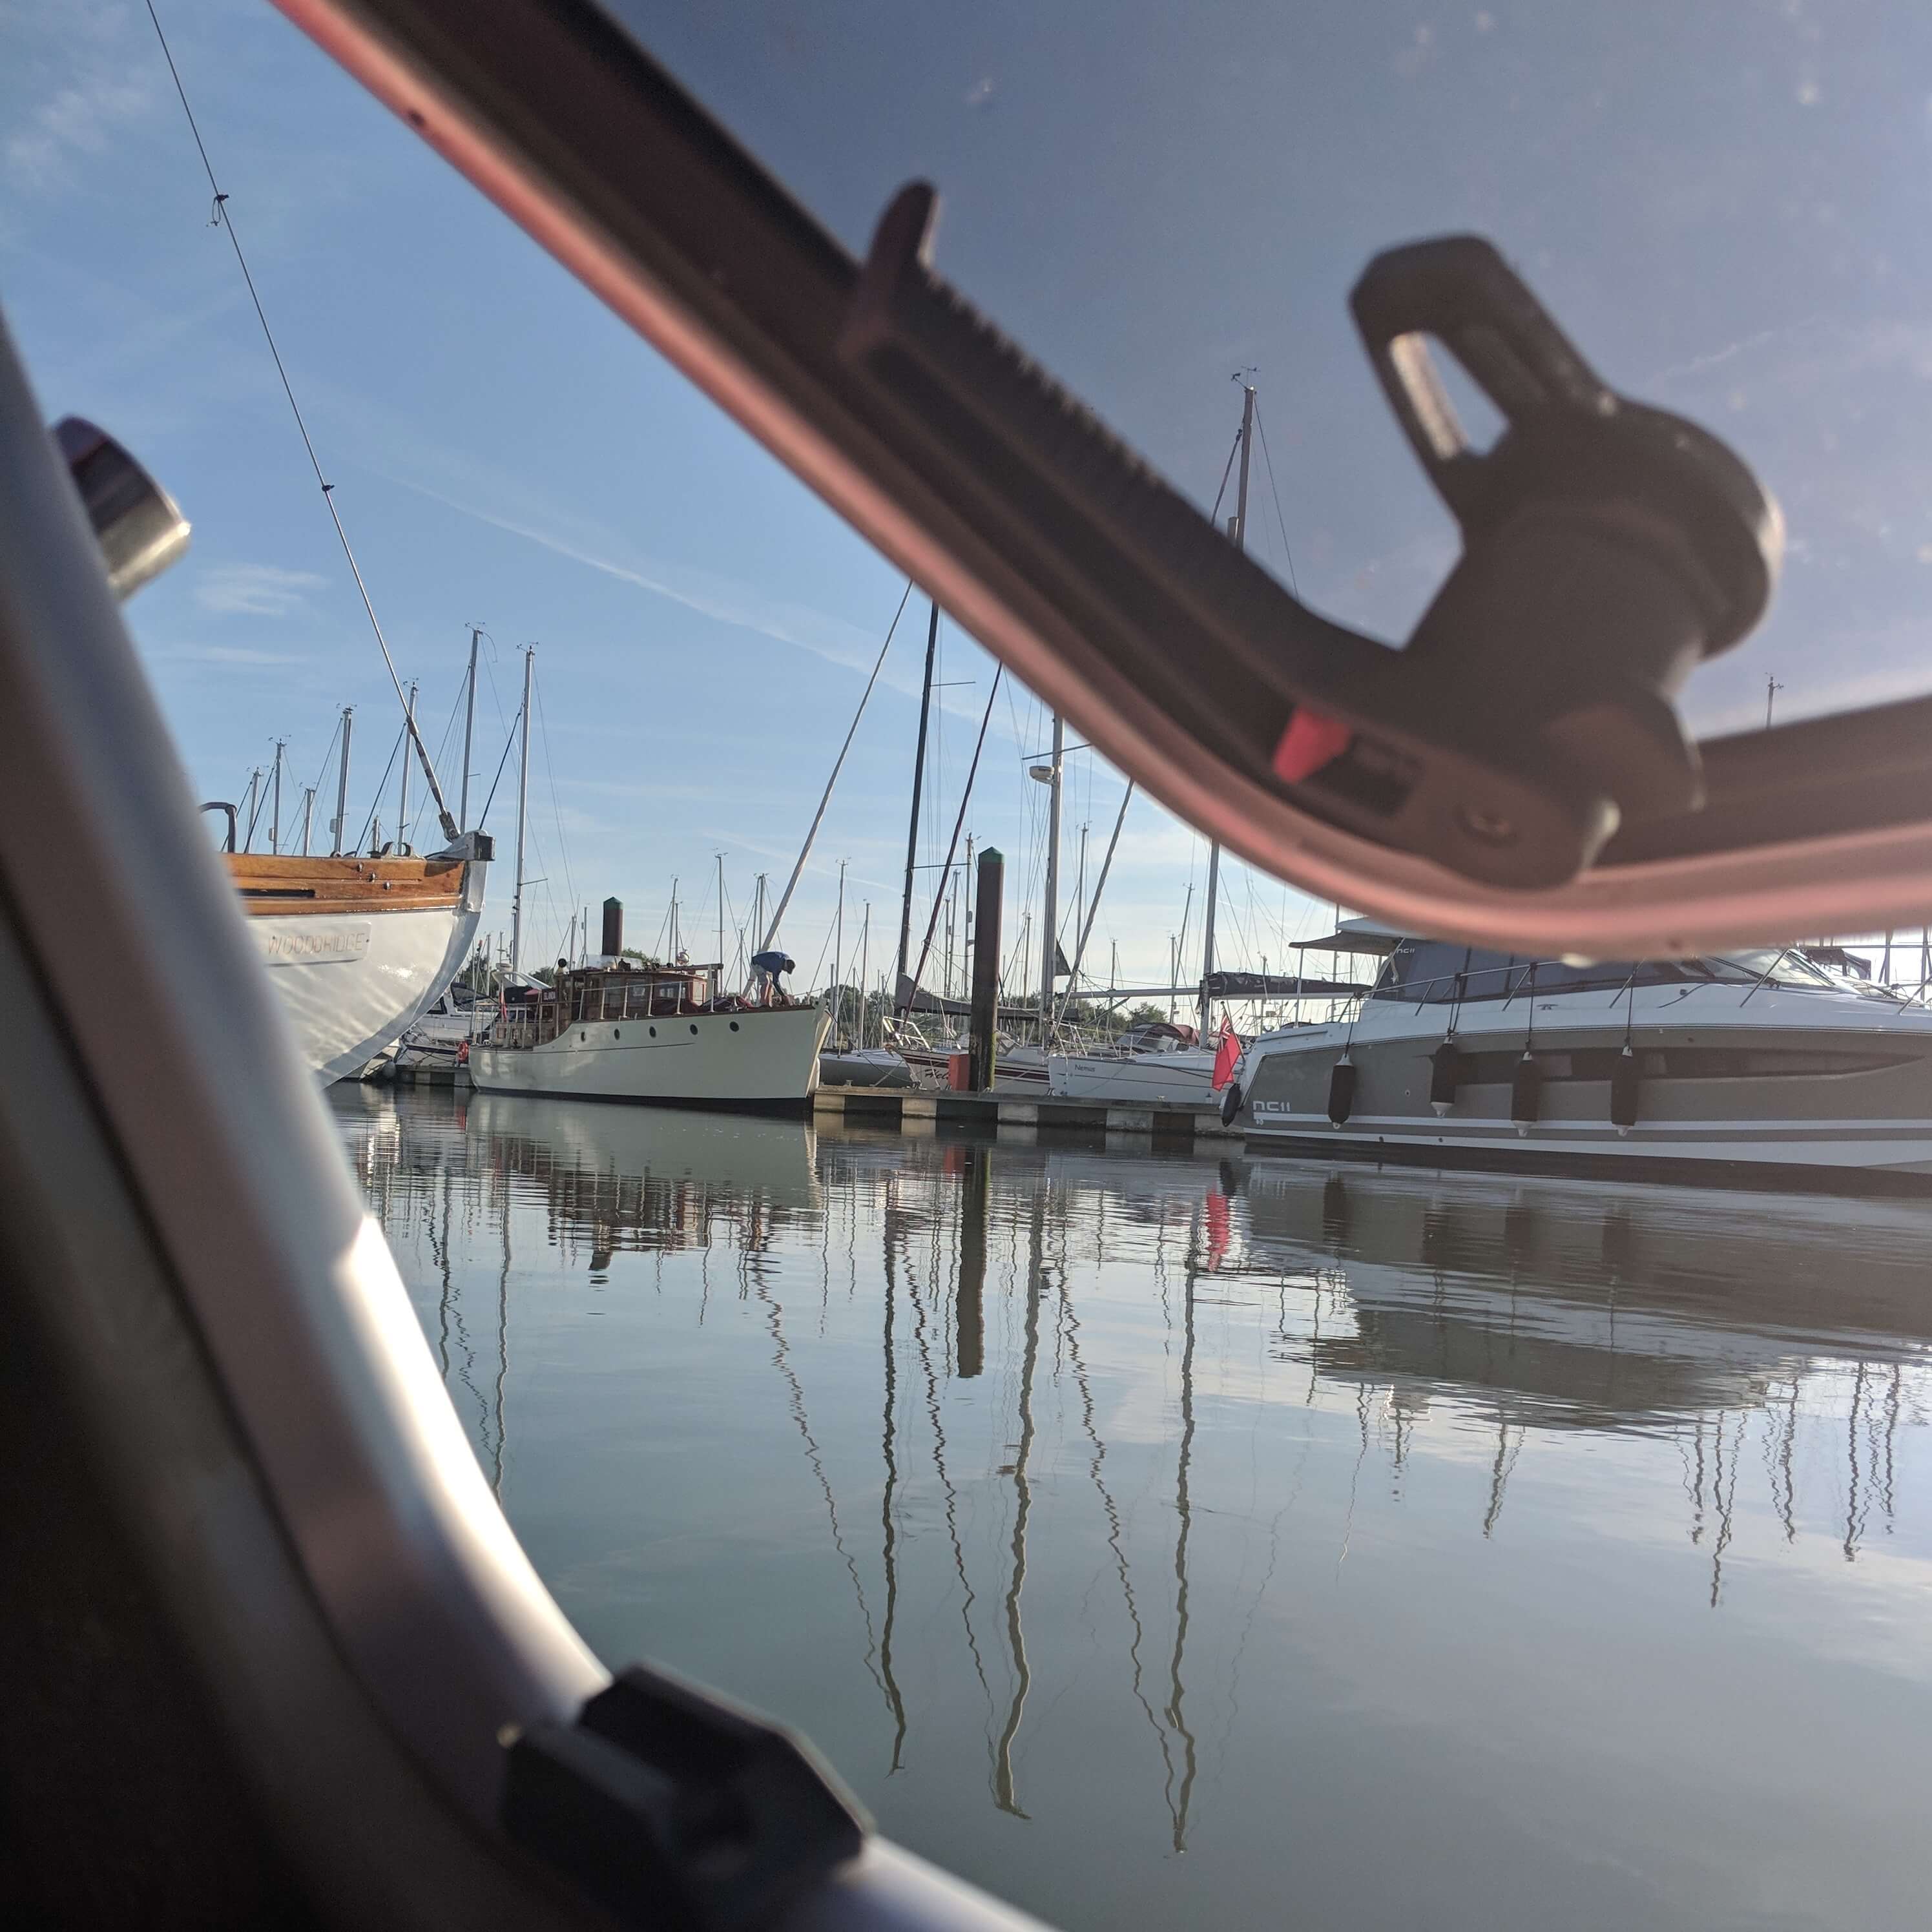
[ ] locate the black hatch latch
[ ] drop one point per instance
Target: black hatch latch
(672, 1807)
(1608, 549)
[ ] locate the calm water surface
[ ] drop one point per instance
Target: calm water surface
(1162, 1541)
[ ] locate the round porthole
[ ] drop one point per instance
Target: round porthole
(654, 1032)
(693, 1026)
(734, 1026)
(616, 1032)
(583, 1035)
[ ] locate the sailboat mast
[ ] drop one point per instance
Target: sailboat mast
(838, 936)
(1237, 528)
(1050, 911)
(721, 918)
(275, 822)
(865, 958)
(918, 779)
(522, 816)
(468, 728)
(403, 784)
(342, 784)
(308, 816)
(1092, 905)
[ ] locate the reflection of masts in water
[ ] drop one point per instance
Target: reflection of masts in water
(1723, 1494)
(1178, 1804)
(1070, 1323)
(966, 1598)
(1499, 1473)
(1894, 1394)
(1783, 1482)
(889, 1553)
(502, 1349)
(442, 1253)
(781, 1359)
(1003, 1756)
(1856, 1502)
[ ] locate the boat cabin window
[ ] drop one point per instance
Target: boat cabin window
(1426, 972)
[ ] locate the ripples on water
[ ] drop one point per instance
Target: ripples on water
(1163, 1540)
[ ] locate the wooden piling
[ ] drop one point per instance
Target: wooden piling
(988, 896)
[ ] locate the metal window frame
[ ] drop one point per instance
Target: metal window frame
(180, 1223)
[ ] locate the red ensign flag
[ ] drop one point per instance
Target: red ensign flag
(1227, 1056)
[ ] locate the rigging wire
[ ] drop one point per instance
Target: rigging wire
(509, 739)
(382, 786)
(222, 219)
(1227, 470)
(322, 769)
(771, 934)
(441, 746)
(1280, 520)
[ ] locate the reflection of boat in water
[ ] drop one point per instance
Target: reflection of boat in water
(1563, 1304)
(1619, 1299)
(1756, 1065)
(357, 948)
(630, 1177)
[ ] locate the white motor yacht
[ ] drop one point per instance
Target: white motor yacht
(1743, 1065)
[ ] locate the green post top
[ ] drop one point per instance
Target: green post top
(993, 853)
(609, 903)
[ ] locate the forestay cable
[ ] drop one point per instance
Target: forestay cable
(797, 872)
(221, 218)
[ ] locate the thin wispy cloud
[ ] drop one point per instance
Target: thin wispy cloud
(225, 654)
(75, 79)
(832, 639)
(806, 631)
(256, 589)
(75, 121)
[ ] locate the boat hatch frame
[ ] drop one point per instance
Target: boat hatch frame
(558, 115)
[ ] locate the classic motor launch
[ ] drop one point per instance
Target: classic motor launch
(358, 948)
(629, 1030)
(1752, 1065)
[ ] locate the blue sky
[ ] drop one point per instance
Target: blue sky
(1726, 205)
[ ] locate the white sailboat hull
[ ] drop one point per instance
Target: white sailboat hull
(1184, 1078)
(352, 986)
(765, 1058)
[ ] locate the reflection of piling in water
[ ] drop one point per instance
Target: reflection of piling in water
(968, 1312)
